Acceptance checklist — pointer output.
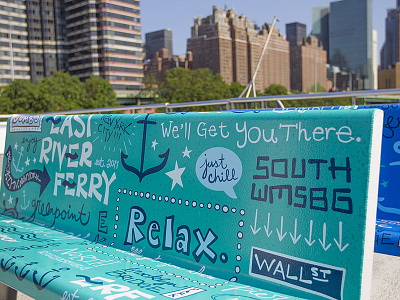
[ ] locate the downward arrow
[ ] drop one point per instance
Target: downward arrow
(339, 244)
(267, 228)
(255, 230)
(323, 242)
(294, 238)
(309, 242)
(280, 234)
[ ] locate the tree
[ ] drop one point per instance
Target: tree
(21, 96)
(275, 89)
(320, 89)
(65, 91)
(99, 93)
(58, 93)
(182, 85)
(236, 89)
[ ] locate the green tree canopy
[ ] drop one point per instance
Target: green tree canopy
(182, 85)
(275, 89)
(57, 93)
(20, 97)
(65, 91)
(99, 93)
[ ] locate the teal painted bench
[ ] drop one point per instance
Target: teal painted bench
(230, 205)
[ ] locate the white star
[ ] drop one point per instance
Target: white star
(10, 200)
(154, 144)
(186, 152)
(34, 160)
(4, 195)
(27, 161)
(175, 175)
(16, 146)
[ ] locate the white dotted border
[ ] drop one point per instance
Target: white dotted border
(225, 209)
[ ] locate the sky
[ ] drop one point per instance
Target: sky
(178, 15)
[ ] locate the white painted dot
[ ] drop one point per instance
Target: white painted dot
(130, 193)
(238, 258)
(166, 198)
(154, 197)
(358, 139)
(173, 200)
(118, 199)
(119, 190)
(115, 235)
(187, 202)
(237, 270)
(117, 208)
(159, 198)
(242, 212)
(147, 195)
(115, 226)
(136, 193)
(194, 203)
(212, 287)
(225, 209)
(209, 205)
(125, 191)
(141, 194)
(241, 223)
(179, 201)
(233, 210)
(201, 205)
(116, 217)
(240, 235)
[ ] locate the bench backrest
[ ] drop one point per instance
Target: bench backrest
(262, 198)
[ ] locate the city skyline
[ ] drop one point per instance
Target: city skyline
(157, 15)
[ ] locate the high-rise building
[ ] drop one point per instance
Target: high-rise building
(350, 38)
(104, 38)
(31, 40)
(308, 65)
(14, 53)
(390, 52)
(320, 25)
(296, 32)
(158, 40)
(231, 45)
(83, 37)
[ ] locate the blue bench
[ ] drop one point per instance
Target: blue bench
(248, 205)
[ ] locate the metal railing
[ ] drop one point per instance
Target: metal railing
(232, 103)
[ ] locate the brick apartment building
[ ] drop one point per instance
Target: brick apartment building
(161, 62)
(231, 45)
(307, 65)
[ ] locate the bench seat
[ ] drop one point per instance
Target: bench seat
(36, 259)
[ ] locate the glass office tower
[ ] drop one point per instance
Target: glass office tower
(320, 27)
(350, 38)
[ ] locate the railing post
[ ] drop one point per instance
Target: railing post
(353, 100)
